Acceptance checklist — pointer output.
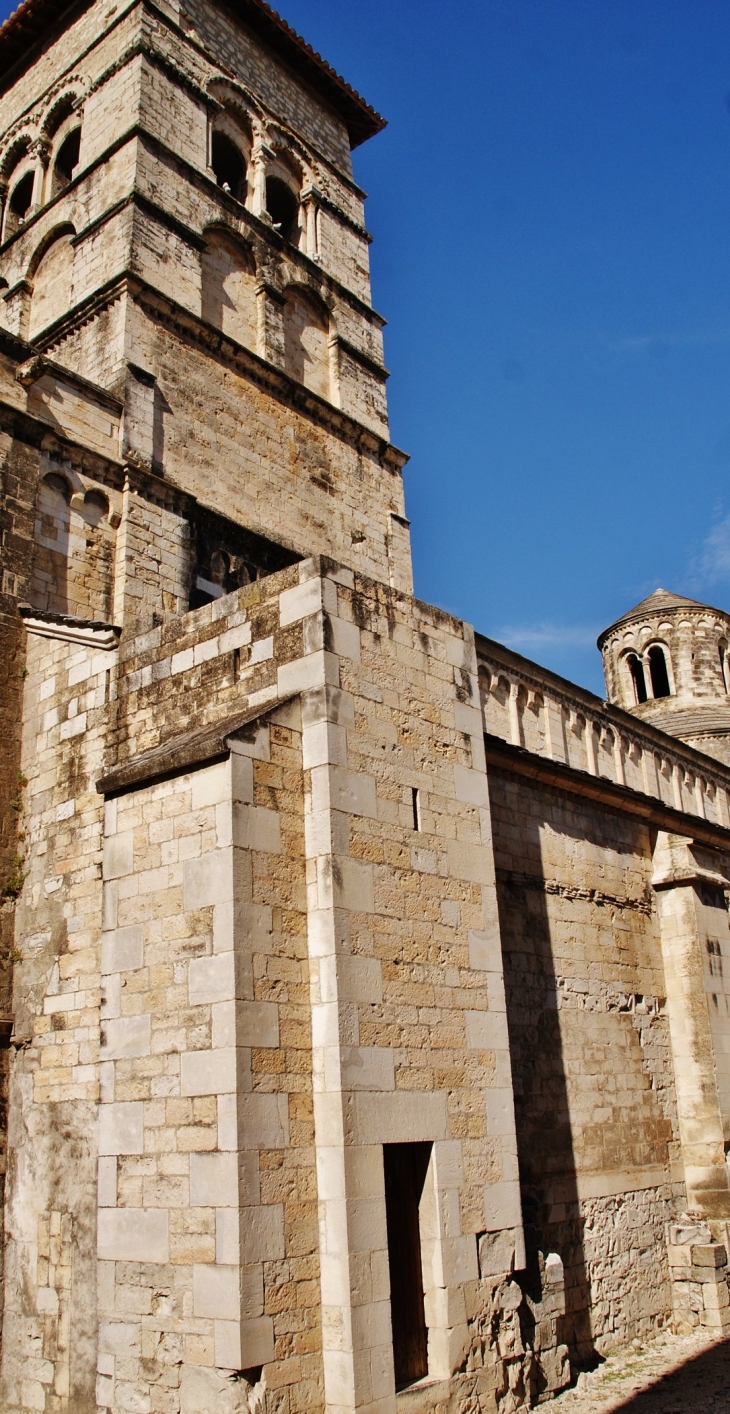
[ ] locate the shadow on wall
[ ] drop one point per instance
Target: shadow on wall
(306, 342)
(542, 1113)
(590, 1058)
(229, 288)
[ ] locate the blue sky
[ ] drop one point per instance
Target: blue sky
(551, 211)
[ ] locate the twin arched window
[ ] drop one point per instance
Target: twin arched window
(230, 157)
(32, 184)
(651, 671)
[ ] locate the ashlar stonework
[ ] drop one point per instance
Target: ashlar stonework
(364, 1031)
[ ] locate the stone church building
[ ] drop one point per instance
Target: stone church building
(364, 1020)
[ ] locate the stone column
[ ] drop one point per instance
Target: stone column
(680, 868)
(310, 205)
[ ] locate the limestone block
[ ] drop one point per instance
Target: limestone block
(459, 1259)
(326, 833)
(122, 950)
(244, 1345)
(121, 1128)
(223, 1026)
(106, 1189)
(125, 1036)
(300, 602)
(400, 1118)
(264, 1120)
(471, 786)
(262, 1233)
(208, 880)
(119, 1338)
(324, 743)
(257, 1023)
(352, 978)
(262, 650)
(205, 650)
(709, 1255)
(336, 789)
(468, 719)
(345, 638)
(485, 951)
(327, 702)
(352, 885)
(133, 1235)
(364, 1068)
(502, 1206)
(487, 1030)
(304, 674)
(208, 1072)
(211, 979)
(118, 855)
(254, 827)
(211, 786)
(111, 995)
(448, 1159)
(226, 1292)
(214, 1180)
(500, 1112)
(497, 1252)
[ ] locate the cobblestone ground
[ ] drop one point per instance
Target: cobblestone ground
(672, 1375)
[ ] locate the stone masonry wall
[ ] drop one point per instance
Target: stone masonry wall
(594, 1086)
(125, 1000)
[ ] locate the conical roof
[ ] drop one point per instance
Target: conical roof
(660, 600)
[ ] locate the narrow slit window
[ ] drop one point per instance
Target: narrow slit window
(416, 800)
(658, 669)
(405, 1167)
(636, 668)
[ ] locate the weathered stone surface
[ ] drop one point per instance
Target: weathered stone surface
(296, 868)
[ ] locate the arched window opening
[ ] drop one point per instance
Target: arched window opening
(228, 165)
(66, 161)
(659, 674)
(14, 156)
(723, 650)
(636, 668)
(20, 203)
(283, 207)
(58, 115)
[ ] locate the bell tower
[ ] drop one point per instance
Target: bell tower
(668, 661)
(181, 227)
